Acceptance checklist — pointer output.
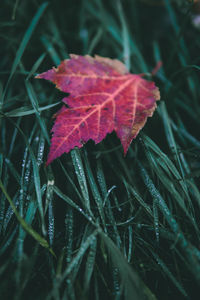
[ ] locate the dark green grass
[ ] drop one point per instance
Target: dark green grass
(95, 224)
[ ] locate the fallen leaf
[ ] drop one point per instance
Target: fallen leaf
(104, 97)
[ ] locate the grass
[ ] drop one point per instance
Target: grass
(95, 224)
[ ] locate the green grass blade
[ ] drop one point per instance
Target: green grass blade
(25, 41)
(133, 287)
(125, 36)
(34, 102)
(71, 203)
(26, 226)
(80, 173)
(25, 111)
(90, 264)
(93, 186)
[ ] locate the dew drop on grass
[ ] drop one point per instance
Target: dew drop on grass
(51, 223)
(27, 172)
(156, 220)
(69, 234)
(51, 231)
(40, 151)
(23, 163)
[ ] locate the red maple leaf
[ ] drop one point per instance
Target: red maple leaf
(103, 97)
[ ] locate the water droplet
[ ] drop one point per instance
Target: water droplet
(83, 33)
(36, 139)
(40, 152)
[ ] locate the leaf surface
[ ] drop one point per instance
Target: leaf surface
(103, 97)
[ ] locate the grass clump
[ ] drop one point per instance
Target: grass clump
(94, 224)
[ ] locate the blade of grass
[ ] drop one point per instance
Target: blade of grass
(34, 102)
(25, 111)
(76, 259)
(23, 44)
(36, 66)
(133, 287)
(51, 50)
(26, 226)
(80, 173)
(89, 268)
(125, 36)
(95, 191)
(192, 254)
(71, 203)
(36, 176)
